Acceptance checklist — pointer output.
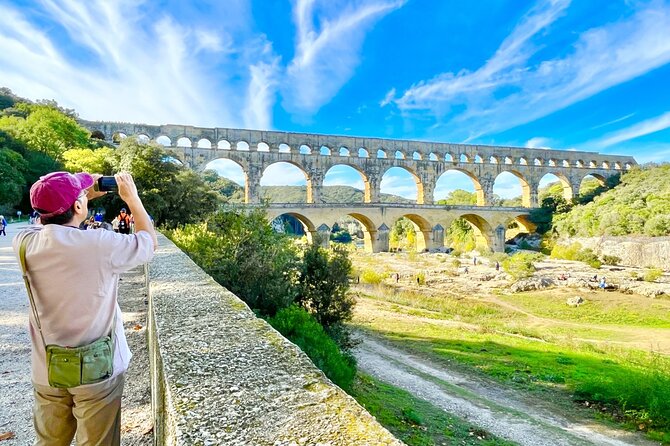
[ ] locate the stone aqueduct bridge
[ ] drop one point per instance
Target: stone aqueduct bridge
(315, 154)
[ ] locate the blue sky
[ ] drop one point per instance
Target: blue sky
(585, 75)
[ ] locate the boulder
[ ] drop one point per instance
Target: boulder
(575, 301)
(532, 283)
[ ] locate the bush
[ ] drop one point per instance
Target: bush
(653, 274)
(456, 263)
(421, 278)
(611, 260)
(302, 329)
(370, 276)
(589, 257)
(323, 285)
(521, 264)
(566, 252)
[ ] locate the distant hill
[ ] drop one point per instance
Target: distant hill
(234, 193)
(640, 204)
(329, 194)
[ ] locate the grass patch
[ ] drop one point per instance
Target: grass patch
(415, 421)
(632, 387)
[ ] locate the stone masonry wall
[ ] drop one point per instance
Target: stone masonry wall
(223, 376)
(638, 251)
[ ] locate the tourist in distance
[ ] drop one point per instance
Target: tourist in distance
(124, 222)
(3, 225)
(72, 282)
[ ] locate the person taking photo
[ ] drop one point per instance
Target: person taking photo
(78, 346)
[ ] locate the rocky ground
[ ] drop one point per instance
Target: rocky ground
(16, 397)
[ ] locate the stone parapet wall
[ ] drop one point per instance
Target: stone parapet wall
(220, 375)
(635, 251)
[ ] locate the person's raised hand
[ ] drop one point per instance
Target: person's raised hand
(127, 188)
(91, 193)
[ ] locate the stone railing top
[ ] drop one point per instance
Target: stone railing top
(389, 205)
(215, 134)
(230, 378)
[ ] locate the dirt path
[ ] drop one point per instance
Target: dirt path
(488, 405)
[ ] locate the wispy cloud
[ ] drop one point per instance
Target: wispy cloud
(507, 92)
(613, 121)
(327, 55)
(116, 63)
(538, 143)
(643, 128)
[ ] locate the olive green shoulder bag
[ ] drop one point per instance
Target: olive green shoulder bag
(72, 366)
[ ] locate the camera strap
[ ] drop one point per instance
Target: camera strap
(24, 269)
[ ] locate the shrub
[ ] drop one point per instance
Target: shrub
(521, 264)
(566, 252)
(456, 253)
(323, 285)
(421, 278)
(302, 329)
(370, 276)
(653, 274)
(611, 260)
(456, 263)
(589, 257)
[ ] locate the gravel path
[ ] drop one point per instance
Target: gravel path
(488, 405)
(16, 397)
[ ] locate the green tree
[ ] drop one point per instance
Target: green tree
(459, 196)
(12, 170)
(242, 253)
(46, 129)
(101, 160)
(323, 279)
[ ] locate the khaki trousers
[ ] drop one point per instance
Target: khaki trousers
(92, 413)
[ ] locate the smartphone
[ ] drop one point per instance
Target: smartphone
(105, 184)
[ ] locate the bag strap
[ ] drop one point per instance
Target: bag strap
(22, 257)
(24, 268)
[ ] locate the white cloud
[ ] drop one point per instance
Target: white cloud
(327, 56)
(390, 96)
(643, 128)
(613, 121)
(398, 181)
(128, 66)
(506, 92)
(538, 143)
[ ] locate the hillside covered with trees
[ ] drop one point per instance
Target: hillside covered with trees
(639, 205)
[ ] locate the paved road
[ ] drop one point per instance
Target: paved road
(16, 397)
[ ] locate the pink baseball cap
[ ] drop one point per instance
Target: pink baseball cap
(56, 192)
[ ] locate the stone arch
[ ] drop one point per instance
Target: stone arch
(344, 151)
(223, 144)
(414, 175)
(509, 160)
(525, 186)
(449, 157)
(325, 151)
(369, 230)
(479, 190)
(262, 147)
(311, 230)
(97, 134)
(304, 149)
(381, 153)
(417, 156)
(423, 230)
(605, 165)
(523, 161)
(367, 191)
(231, 169)
(117, 137)
(308, 180)
(363, 153)
(482, 229)
(242, 146)
(464, 158)
(523, 220)
(164, 140)
(538, 161)
(184, 141)
(399, 155)
(204, 143)
(283, 148)
(565, 183)
(433, 157)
